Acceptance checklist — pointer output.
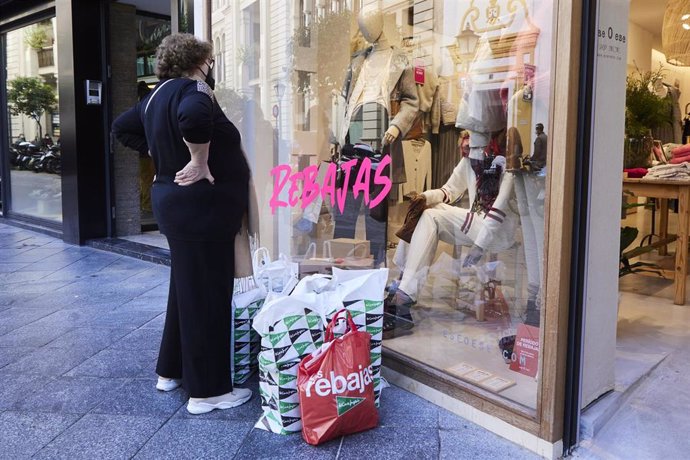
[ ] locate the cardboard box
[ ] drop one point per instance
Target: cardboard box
(341, 248)
(312, 266)
(325, 266)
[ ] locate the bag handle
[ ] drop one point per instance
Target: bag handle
(154, 93)
(261, 258)
(329, 336)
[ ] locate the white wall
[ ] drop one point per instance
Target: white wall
(640, 43)
(601, 282)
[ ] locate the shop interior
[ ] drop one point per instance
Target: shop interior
(653, 320)
(153, 24)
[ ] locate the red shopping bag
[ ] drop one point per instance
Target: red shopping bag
(336, 388)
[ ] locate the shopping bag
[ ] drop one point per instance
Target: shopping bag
(246, 342)
(335, 384)
(290, 329)
(362, 293)
(278, 276)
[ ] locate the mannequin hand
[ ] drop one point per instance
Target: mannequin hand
(418, 200)
(193, 172)
(473, 257)
(391, 135)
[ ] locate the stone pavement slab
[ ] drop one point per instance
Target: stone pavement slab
(194, 438)
(25, 433)
(138, 397)
(393, 443)
(49, 362)
(79, 336)
(260, 444)
(92, 437)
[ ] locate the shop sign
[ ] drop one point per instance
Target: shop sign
(525, 359)
(304, 186)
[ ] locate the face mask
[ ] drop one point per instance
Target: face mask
(210, 81)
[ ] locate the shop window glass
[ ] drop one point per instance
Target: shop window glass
(455, 94)
(34, 121)
(151, 30)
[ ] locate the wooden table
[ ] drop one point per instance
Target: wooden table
(669, 189)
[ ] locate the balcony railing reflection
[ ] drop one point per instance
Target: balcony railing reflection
(45, 57)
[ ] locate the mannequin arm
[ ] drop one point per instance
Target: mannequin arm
(496, 220)
(409, 103)
(456, 185)
(391, 134)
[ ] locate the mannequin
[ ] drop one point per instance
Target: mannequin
(380, 63)
(482, 110)
(381, 104)
(670, 132)
(489, 224)
(485, 227)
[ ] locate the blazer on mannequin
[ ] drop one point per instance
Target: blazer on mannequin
(392, 72)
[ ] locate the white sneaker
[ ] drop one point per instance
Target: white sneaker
(237, 397)
(165, 384)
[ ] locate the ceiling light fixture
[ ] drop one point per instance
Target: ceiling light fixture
(676, 40)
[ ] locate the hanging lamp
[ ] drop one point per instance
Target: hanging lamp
(675, 33)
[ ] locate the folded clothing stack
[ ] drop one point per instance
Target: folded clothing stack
(672, 171)
(681, 154)
(635, 173)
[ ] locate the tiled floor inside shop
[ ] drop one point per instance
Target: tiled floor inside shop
(652, 362)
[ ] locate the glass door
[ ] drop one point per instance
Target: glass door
(33, 134)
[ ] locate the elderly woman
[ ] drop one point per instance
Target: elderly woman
(199, 196)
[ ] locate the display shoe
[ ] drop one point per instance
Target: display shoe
(236, 397)
(166, 384)
(397, 319)
(506, 344)
(391, 289)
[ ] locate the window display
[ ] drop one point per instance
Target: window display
(419, 142)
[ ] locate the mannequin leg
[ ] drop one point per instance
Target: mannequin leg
(440, 222)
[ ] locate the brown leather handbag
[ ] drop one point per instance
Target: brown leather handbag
(414, 213)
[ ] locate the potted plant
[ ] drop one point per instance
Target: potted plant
(644, 111)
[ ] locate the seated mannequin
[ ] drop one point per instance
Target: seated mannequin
(488, 225)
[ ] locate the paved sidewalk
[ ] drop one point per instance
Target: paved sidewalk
(79, 334)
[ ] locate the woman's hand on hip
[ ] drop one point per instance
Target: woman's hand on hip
(193, 172)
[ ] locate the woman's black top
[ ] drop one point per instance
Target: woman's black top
(186, 109)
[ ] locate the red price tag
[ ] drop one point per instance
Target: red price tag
(419, 75)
